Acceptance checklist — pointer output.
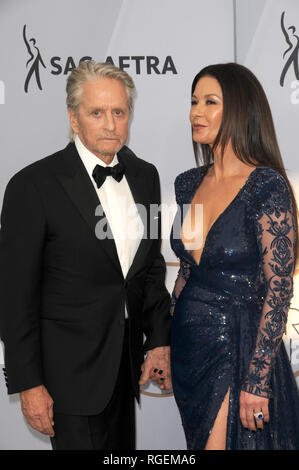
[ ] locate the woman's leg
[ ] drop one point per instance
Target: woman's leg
(217, 438)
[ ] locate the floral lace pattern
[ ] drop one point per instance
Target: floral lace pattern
(182, 278)
(275, 229)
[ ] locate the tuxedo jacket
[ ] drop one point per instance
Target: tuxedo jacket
(62, 290)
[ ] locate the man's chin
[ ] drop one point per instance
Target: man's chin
(106, 152)
(109, 152)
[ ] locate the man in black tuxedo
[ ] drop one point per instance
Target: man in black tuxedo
(82, 277)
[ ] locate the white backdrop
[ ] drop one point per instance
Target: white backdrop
(162, 44)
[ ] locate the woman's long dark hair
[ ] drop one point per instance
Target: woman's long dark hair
(246, 120)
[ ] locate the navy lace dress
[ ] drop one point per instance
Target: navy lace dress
(230, 313)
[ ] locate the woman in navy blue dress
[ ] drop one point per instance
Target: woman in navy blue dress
(235, 235)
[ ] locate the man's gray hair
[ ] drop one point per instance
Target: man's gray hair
(90, 71)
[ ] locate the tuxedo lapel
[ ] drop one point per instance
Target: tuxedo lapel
(138, 186)
(77, 184)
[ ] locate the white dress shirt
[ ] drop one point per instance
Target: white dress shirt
(119, 207)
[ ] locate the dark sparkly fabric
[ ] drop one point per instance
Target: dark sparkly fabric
(230, 312)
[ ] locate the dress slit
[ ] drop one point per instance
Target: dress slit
(225, 402)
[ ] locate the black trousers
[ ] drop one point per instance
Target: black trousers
(113, 428)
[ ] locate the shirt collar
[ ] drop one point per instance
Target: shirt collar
(89, 159)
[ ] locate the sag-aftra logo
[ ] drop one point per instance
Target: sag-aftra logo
(37, 67)
(290, 57)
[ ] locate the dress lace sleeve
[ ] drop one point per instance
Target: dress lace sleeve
(276, 237)
(182, 277)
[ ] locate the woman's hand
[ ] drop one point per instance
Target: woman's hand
(157, 367)
(250, 404)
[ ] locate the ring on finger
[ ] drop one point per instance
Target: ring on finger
(258, 416)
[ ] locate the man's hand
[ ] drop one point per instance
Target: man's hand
(250, 404)
(157, 367)
(37, 407)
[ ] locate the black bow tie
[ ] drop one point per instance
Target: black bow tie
(100, 172)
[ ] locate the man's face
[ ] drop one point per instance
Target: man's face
(103, 117)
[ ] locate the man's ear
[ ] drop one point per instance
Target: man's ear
(73, 120)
